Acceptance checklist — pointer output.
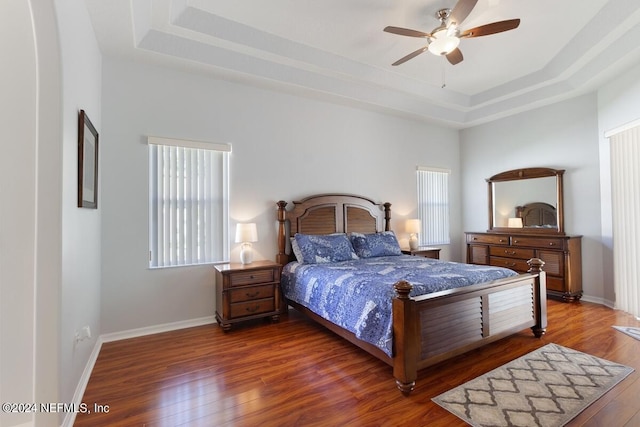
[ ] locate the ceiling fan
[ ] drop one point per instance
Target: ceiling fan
(444, 39)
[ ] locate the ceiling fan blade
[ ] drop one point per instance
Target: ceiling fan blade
(493, 28)
(461, 10)
(455, 56)
(410, 56)
(406, 32)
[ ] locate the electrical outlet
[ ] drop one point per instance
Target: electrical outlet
(83, 334)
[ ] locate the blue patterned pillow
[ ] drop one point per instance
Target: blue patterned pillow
(374, 245)
(315, 249)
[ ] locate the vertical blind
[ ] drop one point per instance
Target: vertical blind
(433, 205)
(188, 206)
(625, 185)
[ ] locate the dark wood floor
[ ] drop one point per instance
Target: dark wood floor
(295, 373)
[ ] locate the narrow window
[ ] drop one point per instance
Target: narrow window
(433, 206)
(188, 202)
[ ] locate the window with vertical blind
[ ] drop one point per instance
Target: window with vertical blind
(188, 202)
(625, 181)
(433, 205)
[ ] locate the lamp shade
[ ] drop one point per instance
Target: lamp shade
(514, 223)
(246, 233)
(412, 226)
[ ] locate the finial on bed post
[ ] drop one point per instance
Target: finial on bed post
(403, 289)
(540, 296)
(387, 216)
(282, 258)
(535, 265)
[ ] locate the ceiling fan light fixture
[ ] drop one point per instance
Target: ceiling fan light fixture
(442, 42)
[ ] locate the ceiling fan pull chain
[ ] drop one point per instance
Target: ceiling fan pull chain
(444, 83)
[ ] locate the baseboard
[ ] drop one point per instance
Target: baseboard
(596, 300)
(70, 417)
(156, 329)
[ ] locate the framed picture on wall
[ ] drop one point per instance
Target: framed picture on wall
(87, 163)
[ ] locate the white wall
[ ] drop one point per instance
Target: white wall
(31, 210)
(561, 136)
(17, 218)
(618, 104)
(284, 147)
(50, 249)
(81, 239)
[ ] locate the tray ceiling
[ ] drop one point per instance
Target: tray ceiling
(336, 49)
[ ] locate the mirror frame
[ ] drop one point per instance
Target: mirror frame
(529, 173)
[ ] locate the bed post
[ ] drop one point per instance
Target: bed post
(282, 258)
(540, 296)
(405, 338)
(387, 216)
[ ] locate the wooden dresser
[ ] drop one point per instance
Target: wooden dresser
(561, 254)
(247, 291)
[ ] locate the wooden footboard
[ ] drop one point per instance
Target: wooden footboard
(432, 328)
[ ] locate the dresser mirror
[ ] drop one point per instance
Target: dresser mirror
(527, 200)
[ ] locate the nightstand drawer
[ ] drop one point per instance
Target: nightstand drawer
(247, 291)
(252, 293)
(251, 308)
(511, 252)
(242, 278)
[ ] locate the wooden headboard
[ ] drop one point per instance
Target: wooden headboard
(537, 214)
(330, 213)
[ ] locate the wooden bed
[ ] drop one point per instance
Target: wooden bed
(430, 328)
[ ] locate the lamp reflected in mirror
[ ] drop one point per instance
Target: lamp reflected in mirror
(515, 223)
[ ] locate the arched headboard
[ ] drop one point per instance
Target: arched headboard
(330, 213)
(538, 214)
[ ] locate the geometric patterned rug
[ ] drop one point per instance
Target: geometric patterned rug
(547, 387)
(629, 330)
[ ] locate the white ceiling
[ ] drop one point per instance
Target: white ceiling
(336, 49)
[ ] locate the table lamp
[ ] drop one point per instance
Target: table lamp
(413, 228)
(246, 234)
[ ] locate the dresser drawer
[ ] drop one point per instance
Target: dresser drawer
(242, 278)
(555, 284)
(492, 239)
(511, 252)
(519, 265)
(478, 254)
(539, 242)
(251, 293)
(250, 308)
(553, 262)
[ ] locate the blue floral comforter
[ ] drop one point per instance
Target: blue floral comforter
(357, 294)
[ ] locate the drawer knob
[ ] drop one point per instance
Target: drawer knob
(551, 244)
(252, 295)
(253, 309)
(509, 252)
(252, 277)
(515, 241)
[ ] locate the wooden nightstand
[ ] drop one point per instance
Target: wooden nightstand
(247, 291)
(425, 252)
